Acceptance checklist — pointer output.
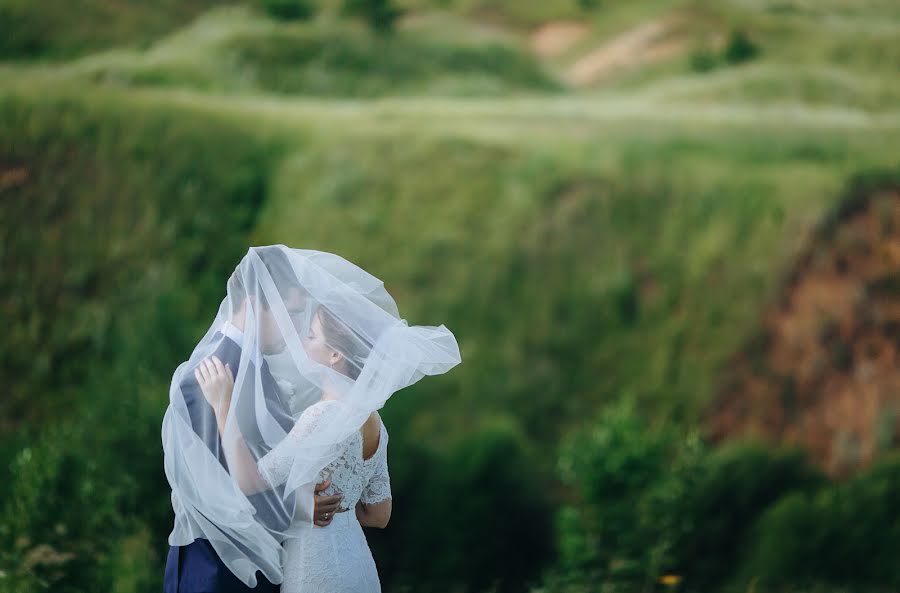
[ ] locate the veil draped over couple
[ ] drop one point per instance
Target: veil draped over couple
(274, 449)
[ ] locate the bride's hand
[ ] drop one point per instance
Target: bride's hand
(216, 382)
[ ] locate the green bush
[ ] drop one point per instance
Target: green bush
(740, 48)
(478, 517)
(381, 15)
(729, 491)
(703, 60)
(845, 534)
(24, 35)
(64, 509)
(613, 468)
(653, 502)
(289, 10)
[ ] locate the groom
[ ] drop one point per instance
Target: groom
(196, 568)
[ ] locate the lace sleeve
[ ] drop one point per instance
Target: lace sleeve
(378, 489)
(275, 466)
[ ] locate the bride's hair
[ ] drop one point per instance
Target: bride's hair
(353, 347)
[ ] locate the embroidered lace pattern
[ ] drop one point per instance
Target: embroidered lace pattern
(336, 558)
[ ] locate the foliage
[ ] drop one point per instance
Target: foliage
(734, 487)
(237, 50)
(83, 287)
(653, 502)
(844, 534)
(348, 61)
(289, 10)
(478, 514)
(106, 315)
(615, 468)
(53, 30)
(739, 48)
(580, 250)
(381, 15)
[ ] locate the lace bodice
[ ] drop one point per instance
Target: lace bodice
(357, 479)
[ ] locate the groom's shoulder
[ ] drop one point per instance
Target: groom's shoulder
(226, 350)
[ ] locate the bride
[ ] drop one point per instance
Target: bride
(347, 352)
(359, 475)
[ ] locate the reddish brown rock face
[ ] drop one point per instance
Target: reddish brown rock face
(824, 370)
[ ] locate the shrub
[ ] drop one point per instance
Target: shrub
(381, 15)
(703, 60)
(289, 10)
(732, 489)
(845, 534)
(611, 468)
(649, 502)
(478, 515)
(739, 48)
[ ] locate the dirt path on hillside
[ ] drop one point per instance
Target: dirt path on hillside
(554, 38)
(650, 42)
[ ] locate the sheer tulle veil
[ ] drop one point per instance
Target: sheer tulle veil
(329, 330)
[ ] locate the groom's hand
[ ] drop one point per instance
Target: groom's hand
(325, 506)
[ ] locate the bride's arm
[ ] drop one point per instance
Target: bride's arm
(241, 462)
(374, 506)
(217, 383)
(374, 515)
(252, 476)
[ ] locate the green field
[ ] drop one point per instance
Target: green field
(600, 245)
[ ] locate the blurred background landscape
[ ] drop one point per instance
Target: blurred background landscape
(665, 233)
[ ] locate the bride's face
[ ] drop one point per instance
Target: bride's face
(315, 346)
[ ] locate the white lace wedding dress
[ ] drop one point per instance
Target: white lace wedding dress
(310, 561)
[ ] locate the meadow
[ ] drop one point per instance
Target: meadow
(601, 220)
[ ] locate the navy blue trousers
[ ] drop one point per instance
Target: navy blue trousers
(196, 568)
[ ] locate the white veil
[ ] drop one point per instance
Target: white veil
(342, 350)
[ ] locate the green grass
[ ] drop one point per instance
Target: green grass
(236, 50)
(583, 245)
(77, 167)
(812, 54)
(634, 194)
(545, 258)
(59, 30)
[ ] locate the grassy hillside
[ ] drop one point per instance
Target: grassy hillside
(68, 170)
(594, 239)
(57, 30)
(628, 262)
(236, 49)
(108, 215)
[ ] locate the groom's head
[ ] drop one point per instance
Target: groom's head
(246, 294)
